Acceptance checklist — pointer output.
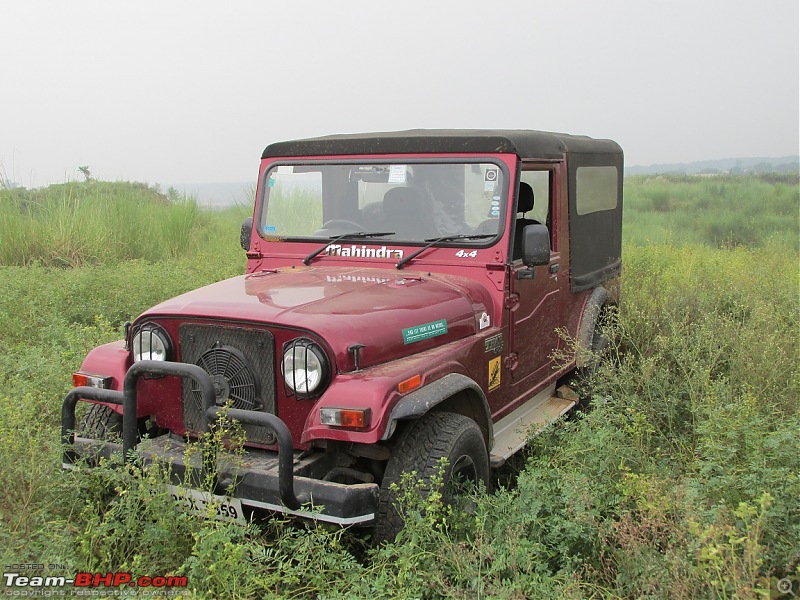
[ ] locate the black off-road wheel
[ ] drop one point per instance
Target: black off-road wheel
(100, 423)
(600, 345)
(421, 448)
(600, 341)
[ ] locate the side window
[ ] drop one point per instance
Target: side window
(540, 182)
(596, 189)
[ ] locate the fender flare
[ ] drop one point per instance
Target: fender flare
(423, 400)
(599, 298)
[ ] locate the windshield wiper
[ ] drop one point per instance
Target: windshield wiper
(444, 238)
(336, 238)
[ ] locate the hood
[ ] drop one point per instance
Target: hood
(392, 314)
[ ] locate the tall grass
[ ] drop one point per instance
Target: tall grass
(682, 481)
(294, 212)
(721, 210)
(93, 222)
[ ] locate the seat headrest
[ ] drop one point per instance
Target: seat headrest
(400, 200)
(525, 197)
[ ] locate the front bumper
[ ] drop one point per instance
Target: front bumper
(260, 479)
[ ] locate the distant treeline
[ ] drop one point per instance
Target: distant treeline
(732, 166)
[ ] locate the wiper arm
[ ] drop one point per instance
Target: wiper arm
(336, 238)
(444, 238)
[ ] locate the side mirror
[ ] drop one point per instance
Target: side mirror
(244, 236)
(535, 245)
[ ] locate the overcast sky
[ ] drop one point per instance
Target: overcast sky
(175, 91)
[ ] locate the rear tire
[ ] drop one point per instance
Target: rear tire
(420, 448)
(600, 340)
(599, 346)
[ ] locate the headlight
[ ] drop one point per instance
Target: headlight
(150, 342)
(305, 367)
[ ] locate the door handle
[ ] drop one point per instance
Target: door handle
(555, 268)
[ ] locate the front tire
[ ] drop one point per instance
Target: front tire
(100, 423)
(420, 448)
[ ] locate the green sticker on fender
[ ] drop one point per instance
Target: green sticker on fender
(423, 332)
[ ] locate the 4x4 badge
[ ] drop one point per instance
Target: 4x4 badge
(494, 344)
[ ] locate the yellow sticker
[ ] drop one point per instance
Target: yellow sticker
(494, 373)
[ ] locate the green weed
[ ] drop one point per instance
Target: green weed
(682, 481)
(93, 222)
(719, 211)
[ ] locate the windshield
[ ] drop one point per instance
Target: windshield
(405, 202)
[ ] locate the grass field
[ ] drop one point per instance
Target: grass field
(683, 481)
(720, 211)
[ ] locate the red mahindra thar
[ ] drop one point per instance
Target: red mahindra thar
(405, 297)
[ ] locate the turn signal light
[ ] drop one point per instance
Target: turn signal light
(409, 384)
(81, 379)
(345, 417)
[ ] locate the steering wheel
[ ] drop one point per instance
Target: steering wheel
(343, 224)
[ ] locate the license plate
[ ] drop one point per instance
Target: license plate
(200, 503)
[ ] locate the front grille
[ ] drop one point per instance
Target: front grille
(240, 363)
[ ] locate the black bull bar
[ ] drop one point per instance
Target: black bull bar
(332, 494)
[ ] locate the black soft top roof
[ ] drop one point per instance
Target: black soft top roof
(523, 143)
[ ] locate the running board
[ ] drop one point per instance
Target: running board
(512, 431)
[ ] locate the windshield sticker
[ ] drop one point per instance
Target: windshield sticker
(490, 175)
(484, 321)
(271, 181)
(494, 373)
(397, 173)
(494, 344)
(423, 332)
(285, 169)
(270, 229)
(362, 251)
(489, 186)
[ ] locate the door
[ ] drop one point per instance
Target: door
(537, 295)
